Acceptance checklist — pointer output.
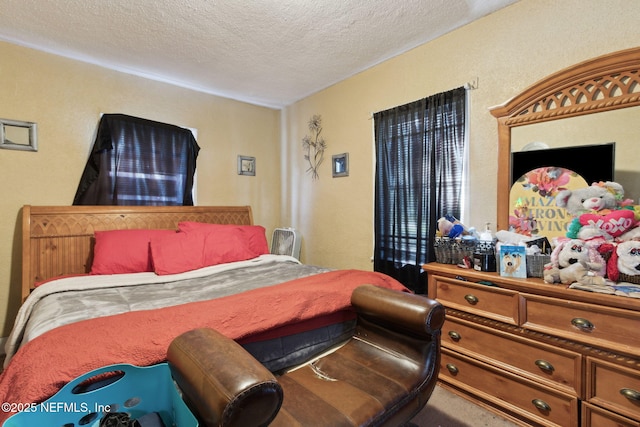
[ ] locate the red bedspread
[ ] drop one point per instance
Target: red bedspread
(41, 367)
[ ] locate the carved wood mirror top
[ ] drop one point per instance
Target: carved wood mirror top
(605, 83)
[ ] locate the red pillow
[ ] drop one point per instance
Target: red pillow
(226, 245)
(178, 253)
(185, 251)
(255, 234)
(124, 251)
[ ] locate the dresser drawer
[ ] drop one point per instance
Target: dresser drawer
(612, 328)
(614, 387)
(487, 301)
(592, 416)
(550, 365)
(540, 404)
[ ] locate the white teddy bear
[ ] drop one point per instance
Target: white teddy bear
(625, 261)
(573, 260)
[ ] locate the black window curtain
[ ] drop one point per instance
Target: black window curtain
(136, 161)
(420, 151)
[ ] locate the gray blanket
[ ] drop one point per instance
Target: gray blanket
(63, 304)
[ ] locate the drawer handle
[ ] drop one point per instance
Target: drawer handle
(452, 368)
(583, 324)
(630, 394)
(454, 335)
(544, 365)
(541, 405)
(471, 299)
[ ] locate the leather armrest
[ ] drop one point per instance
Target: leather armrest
(398, 310)
(221, 381)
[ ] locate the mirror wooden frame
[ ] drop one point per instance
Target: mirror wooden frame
(605, 83)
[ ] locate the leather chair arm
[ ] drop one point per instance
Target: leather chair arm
(398, 310)
(223, 383)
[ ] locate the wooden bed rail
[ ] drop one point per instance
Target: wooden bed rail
(58, 240)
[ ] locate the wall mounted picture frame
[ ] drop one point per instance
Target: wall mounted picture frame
(18, 135)
(340, 165)
(246, 165)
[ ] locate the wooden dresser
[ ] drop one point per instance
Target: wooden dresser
(539, 354)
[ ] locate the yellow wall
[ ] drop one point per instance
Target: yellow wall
(506, 52)
(65, 99)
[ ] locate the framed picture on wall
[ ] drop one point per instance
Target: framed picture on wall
(17, 135)
(246, 165)
(340, 164)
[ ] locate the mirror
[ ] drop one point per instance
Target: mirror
(617, 126)
(593, 102)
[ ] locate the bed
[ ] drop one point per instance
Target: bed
(110, 284)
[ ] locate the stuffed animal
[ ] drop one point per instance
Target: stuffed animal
(584, 273)
(449, 226)
(633, 234)
(598, 211)
(573, 260)
(624, 263)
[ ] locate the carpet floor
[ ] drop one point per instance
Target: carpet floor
(446, 409)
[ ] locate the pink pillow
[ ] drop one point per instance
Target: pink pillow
(255, 234)
(185, 251)
(124, 251)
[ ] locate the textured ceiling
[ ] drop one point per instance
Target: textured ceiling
(265, 52)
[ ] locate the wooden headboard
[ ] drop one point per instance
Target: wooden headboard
(58, 240)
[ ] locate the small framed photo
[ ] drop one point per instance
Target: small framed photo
(17, 135)
(246, 165)
(340, 164)
(513, 261)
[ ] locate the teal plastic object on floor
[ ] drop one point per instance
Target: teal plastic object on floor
(131, 389)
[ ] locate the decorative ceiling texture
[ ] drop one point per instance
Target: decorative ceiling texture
(265, 52)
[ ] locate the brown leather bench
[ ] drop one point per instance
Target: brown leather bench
(384, 375)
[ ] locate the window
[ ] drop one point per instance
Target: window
(136, 161)
(420, 152)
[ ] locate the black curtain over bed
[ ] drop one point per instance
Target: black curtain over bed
(136, 161)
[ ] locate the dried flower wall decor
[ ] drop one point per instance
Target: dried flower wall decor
(314, 146)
